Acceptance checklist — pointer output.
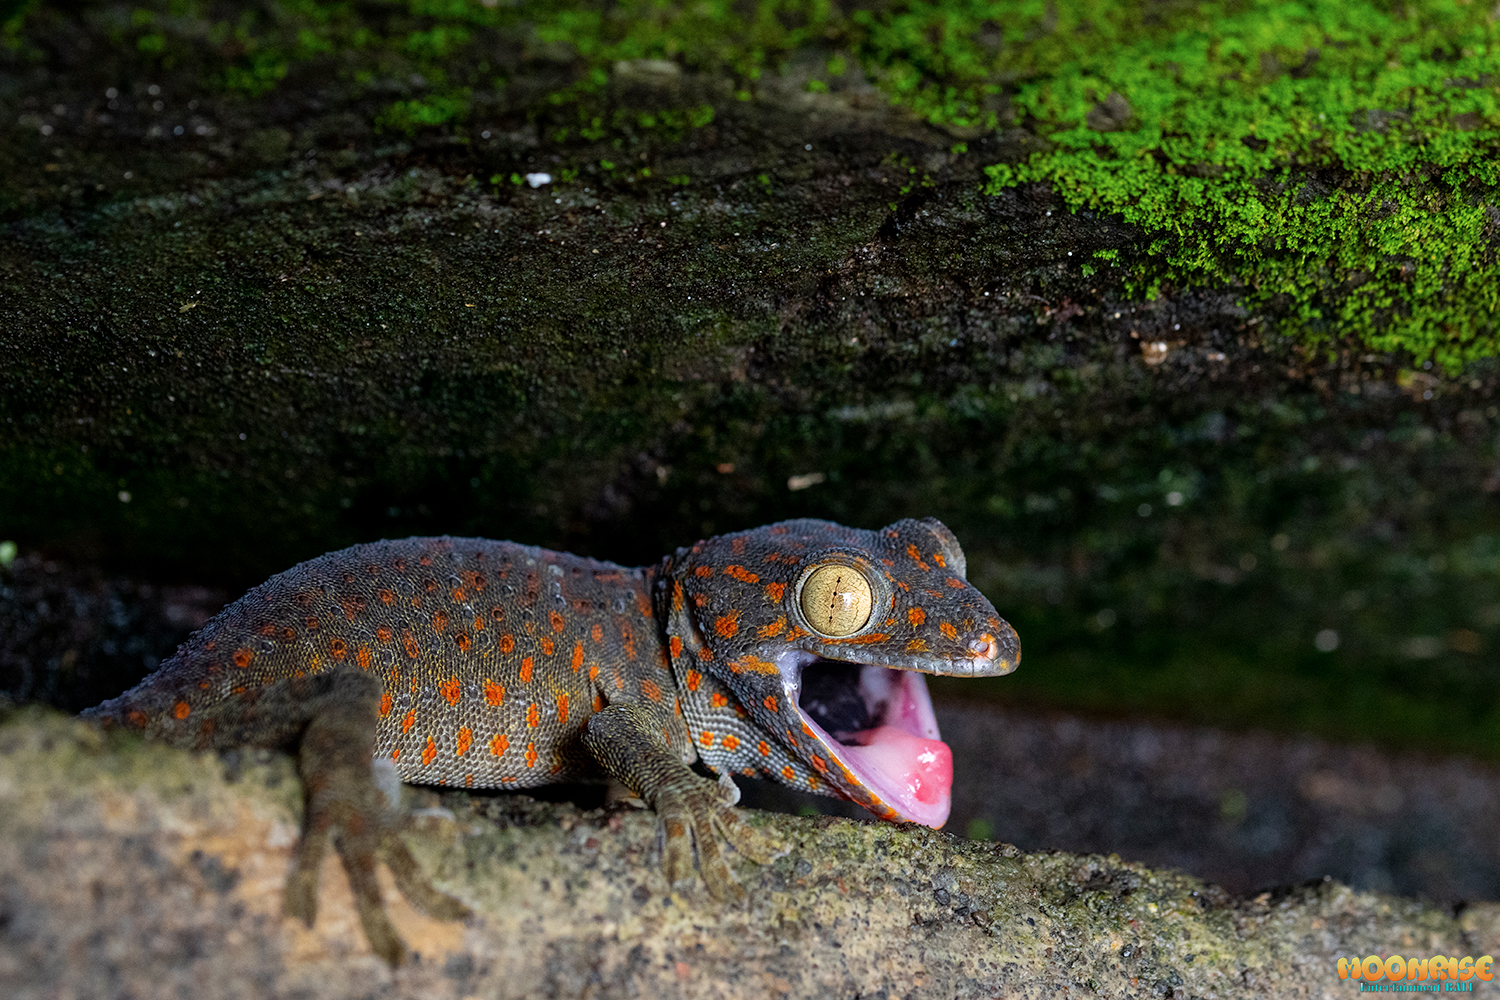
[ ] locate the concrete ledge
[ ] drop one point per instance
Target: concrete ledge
(133, 870)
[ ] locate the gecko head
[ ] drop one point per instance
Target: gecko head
(823, 633)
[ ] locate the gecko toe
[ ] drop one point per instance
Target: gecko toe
(415, 886)
(757, 845)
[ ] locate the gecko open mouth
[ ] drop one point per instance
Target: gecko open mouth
(878, 723)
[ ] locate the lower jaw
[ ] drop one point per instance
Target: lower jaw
(901, 760)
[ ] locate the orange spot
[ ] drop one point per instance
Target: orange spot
(730, 742)
(807, 731)
(439, 620)
(728, 625)
(593, 671)
(597, 632)
(911, 550)
(577, 657)
(693, 680)
(465, 740)
(813, 782)
(409, 721)
(629, 636)
(947, 629)
(706, 738)
(363, 657)
(458, 595)
(556, 620)
(531, 755)
(937, 557)
(396, 754)
(703, 571)
(526, 670)
(650, 690)
(718, 700)
(494, 693)
(429, 752)
(533, 716)
(788, 773)
(754, 664)
(181, 709)
(796, 633)
(955, 583)
(764, 748)
(383, 634)
(819, 763)
(917, 646)
(462, 641)
(790, 738)
(916, 616)
(387, 596)
(562, 708)
(598, 702)
(468, 781)
(242, 657)
(704, 653)
(676, 643)
(479, 623)
(775, 591)
(451, 690)
(499, 744)
(771, 703)
(339, 648)
(767, 631)
(409, 643)
(507, 643)
(742, 574)
(385, 704)
(547, 648)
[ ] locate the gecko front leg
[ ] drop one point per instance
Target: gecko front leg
(626, 740)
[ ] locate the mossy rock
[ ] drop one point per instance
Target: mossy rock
(135, 869)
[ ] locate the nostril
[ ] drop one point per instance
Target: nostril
(985, 647)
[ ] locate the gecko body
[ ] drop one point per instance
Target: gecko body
(792, 651)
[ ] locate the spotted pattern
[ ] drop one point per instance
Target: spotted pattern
(480, 647)
(492, 657)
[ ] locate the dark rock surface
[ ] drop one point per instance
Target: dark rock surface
(292, 331)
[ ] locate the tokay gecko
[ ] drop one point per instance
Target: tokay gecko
(793, 652)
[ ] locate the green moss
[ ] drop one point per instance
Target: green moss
(1342, 156)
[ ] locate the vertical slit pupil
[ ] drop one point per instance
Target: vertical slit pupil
(833, 598)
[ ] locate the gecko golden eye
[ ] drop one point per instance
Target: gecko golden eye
(836, 600)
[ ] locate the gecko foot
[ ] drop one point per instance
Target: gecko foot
(699, 813)
(344, 803)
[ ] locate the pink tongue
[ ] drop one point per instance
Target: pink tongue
(924, 768)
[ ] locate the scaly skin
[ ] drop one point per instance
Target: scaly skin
(483, 664)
